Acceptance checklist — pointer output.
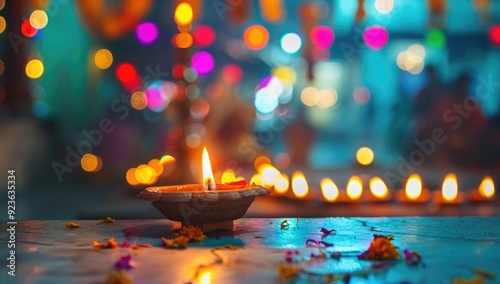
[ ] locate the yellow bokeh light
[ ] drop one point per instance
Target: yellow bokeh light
(139, 100)
(329, 189)
(228, 176)
(365, 156)
(3, 24)
(256, 180)
(130, 176)
(449, 190)
(282, 184)
(167, 160)
(309, 96)
(261, 160)
(487, 187)
(2, 67)
(39, 19)
(299, 185)
(413, 188)
(34, 69)
(183, 14)
(378, 188)
(269, 174)
(145, 174)
(284, 73)
(327, 98)
(90, 163)
(157, 166)
(2, 4)
(354, 188)
(103, 58)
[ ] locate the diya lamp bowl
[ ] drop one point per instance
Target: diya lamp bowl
(208, 209)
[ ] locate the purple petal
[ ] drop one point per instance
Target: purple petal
(308, 241)
(328, 232)
(408, 254)
(326, 244)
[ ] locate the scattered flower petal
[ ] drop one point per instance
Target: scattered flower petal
(475, 280)
(320, 255)
(317, 243)
(288, 272)
(179, 242)
(72, 225)
(381, 248)
(125, 262)
(111, 244)
(107, 220)
(192, 233)
(327, 232)
(118, 276)
(412, 258)
(134, 246)
(485, 274)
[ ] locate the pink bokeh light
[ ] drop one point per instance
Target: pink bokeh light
(376, 37)
(146, 33)
(322, 37)
(202, 62)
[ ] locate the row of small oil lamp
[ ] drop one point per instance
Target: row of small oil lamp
(413, 192)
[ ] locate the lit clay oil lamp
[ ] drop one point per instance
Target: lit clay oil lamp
(209, 206)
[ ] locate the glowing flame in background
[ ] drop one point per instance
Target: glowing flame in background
(450, 188)
(487, 187)
(413, 188)
(354, 188)
(329, 190)
(378, 188)
(299, 185)
(282, 184)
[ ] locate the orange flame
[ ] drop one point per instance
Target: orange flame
(487, 187)
(329, 190)
(354, 188)
(299, 185)
(413, 188)
(450, 188)
(378, 188)
(208, 176)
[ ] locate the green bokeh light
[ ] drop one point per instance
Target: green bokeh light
(435, 38)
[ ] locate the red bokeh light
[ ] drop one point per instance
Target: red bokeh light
(126, 73)
(27, 30)
(178, 71)
(204, 36)
(495, 34)
(232, 73)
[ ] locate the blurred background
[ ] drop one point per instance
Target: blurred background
(100, 99)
